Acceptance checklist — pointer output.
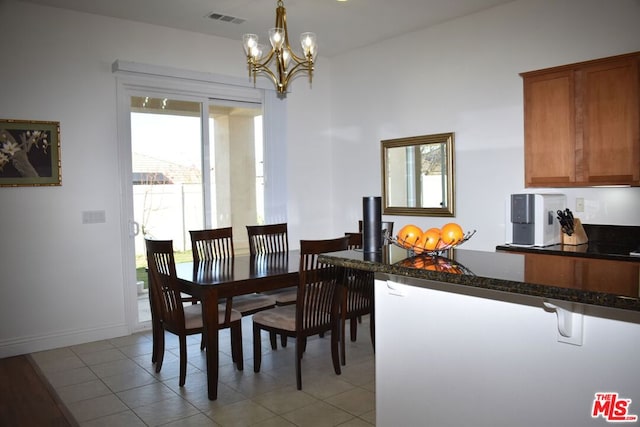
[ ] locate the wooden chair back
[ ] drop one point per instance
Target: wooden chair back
(216, 243)
(163, 288)
(318, 290)
(359, 295)
(355, 240)
(269, 238)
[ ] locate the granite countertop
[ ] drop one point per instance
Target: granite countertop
(596, 250)
(498, 271)
(613, 242)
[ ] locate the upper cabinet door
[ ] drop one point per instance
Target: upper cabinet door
(611, 129)
(582, 125)
(549, 111)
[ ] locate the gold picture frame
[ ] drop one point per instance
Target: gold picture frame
(29, 153)
(418, 175)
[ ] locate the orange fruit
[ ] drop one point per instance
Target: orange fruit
(451, 233)
(430, 239)
(409, 235)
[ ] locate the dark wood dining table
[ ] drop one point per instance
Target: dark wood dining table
(210, 281)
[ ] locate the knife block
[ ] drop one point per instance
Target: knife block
(579, 236)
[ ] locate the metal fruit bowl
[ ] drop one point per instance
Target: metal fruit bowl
(416, 250)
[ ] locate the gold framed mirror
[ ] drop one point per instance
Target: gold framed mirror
(418, 175)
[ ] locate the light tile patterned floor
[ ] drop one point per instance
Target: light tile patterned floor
(113, 383)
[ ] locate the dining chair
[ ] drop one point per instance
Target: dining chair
(357, 299)
(355, 240)
(272, 238)
(214, 243)
(217, 244)
(173, 316)
(316, 308)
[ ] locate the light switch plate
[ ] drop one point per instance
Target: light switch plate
(94, 217)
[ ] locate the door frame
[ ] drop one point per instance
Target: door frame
(133, 79)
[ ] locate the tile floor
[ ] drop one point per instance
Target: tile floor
(113, 383)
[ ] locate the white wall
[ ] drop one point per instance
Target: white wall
(463, 76)
(62, 282)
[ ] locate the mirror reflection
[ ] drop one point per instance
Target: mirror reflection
(417, 175)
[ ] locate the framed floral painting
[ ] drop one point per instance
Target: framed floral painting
(29, 153)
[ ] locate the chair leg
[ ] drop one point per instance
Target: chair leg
(283, 340)
(257, 349)
(236, 345)
(300, 346)
(354, 330)
(154, 344)
(274, 340)
(183, 359)
(202, 343)
(335, 357)
(343, 353)
(160, 349)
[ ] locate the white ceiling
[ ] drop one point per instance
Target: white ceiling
(340, 26)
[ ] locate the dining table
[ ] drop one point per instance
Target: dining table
(213, 280)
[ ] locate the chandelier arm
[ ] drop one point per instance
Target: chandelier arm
(279, 80)
(267, 72)
(267, 59)
(260, 68)
(298, 69)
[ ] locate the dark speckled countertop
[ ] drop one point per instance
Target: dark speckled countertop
(614, 242)
(499, 271)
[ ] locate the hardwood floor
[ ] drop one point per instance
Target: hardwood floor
(26, 398)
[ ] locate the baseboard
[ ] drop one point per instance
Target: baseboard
(32, 344)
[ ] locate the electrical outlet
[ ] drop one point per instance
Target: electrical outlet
(579, 204)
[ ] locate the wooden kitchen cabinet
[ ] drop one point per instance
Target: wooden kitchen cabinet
(613, 277)
(589, 274)
(582, 123)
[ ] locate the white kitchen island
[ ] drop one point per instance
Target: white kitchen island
(475, 345)
(448, 356)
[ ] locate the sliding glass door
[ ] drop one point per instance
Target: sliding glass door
(194, 164)
(196, 150)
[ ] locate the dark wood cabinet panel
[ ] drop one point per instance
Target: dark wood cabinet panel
(551, 270)
(582, 123)
(613, 277)
(610, 122)
(549, 113)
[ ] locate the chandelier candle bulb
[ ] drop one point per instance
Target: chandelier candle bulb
(276, 37)
(250, 41)
(308, 42)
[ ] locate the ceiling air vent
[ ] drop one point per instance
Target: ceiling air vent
(225, 18)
